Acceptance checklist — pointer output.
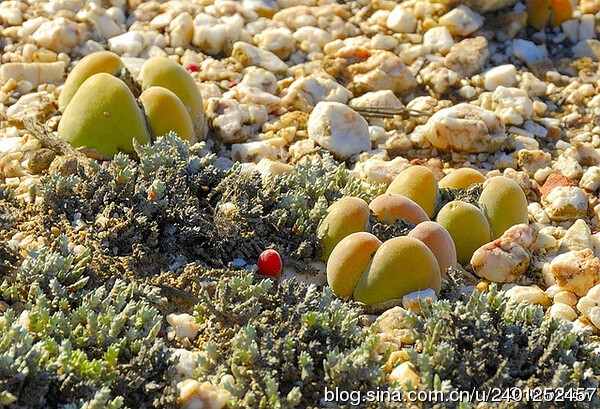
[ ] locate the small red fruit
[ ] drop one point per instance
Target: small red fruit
(192, 68)
(269, 263)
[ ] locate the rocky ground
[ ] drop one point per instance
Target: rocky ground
(132, 281)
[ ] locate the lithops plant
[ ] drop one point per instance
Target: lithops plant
(106, 121)
(346, 216)
(418, 184)
(400, 266)
(95, 63)
(439, 241)
(468, 227)
(164, 72)
(461, 179)
(390, 207)
(166, 112)
(539, 12)
(349, 260)
(504, 204)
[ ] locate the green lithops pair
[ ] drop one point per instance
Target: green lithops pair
(360, 265)
(101, 112)
(502, 204)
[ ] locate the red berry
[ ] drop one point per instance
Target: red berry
(269, 263)
(193, 68)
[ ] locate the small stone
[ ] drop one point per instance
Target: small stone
(560, 310)
(41, 160)
(505, 75)
(35, 73)
(468, 57)
(533, 160)
(485, 6)
(526, 51)
(401, 21)
(590, 6)
(565, 203)
(404, 373)
(565, 297)
(249, 55)
(60, 35)
(591, 179)
(339, 129)
(413, 301)
(578, 237)
(552, 180)
(438, 39)
(587, 27)
(587, 48)
(465, 128)
(382, 70)
(576, 271)
(531, 294)
(505, 259)
(512, 105)
(462, 21)
(508, 25)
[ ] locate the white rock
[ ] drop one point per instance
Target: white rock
(526, 51)
(253, 151)
(247, 94)
(565, 297)
(512, 105)
(279, 41)
(578, 237)
(505, 75)
(565, 203)
(260, 78)
(571, 29)
(184, 324)
(181, 30)
(95, 15)
(313, 35)
(306, 92)
(382, 70)
(339, 129)
(404, 373)
(413, 300)
(11, 12)
(381, 171)
(462, 21)
(210, 34)
(35, 73)
(560, 310)
(401, 21)
(591, 179)
(383, 98)
(568, 166)
(187, 362)
(234, 122)
(531, 294)
(438, 39)
(60, 35)
(587, 48)
(10, 145)
(505, 259)
(587, 27)
(576, 271)
(249, 55)
(468, 57)
(465, 128)
(196, 395)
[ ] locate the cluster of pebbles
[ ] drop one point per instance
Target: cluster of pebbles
(379, 84)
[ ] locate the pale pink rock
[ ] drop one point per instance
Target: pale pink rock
(505, 259)
(576, 271)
